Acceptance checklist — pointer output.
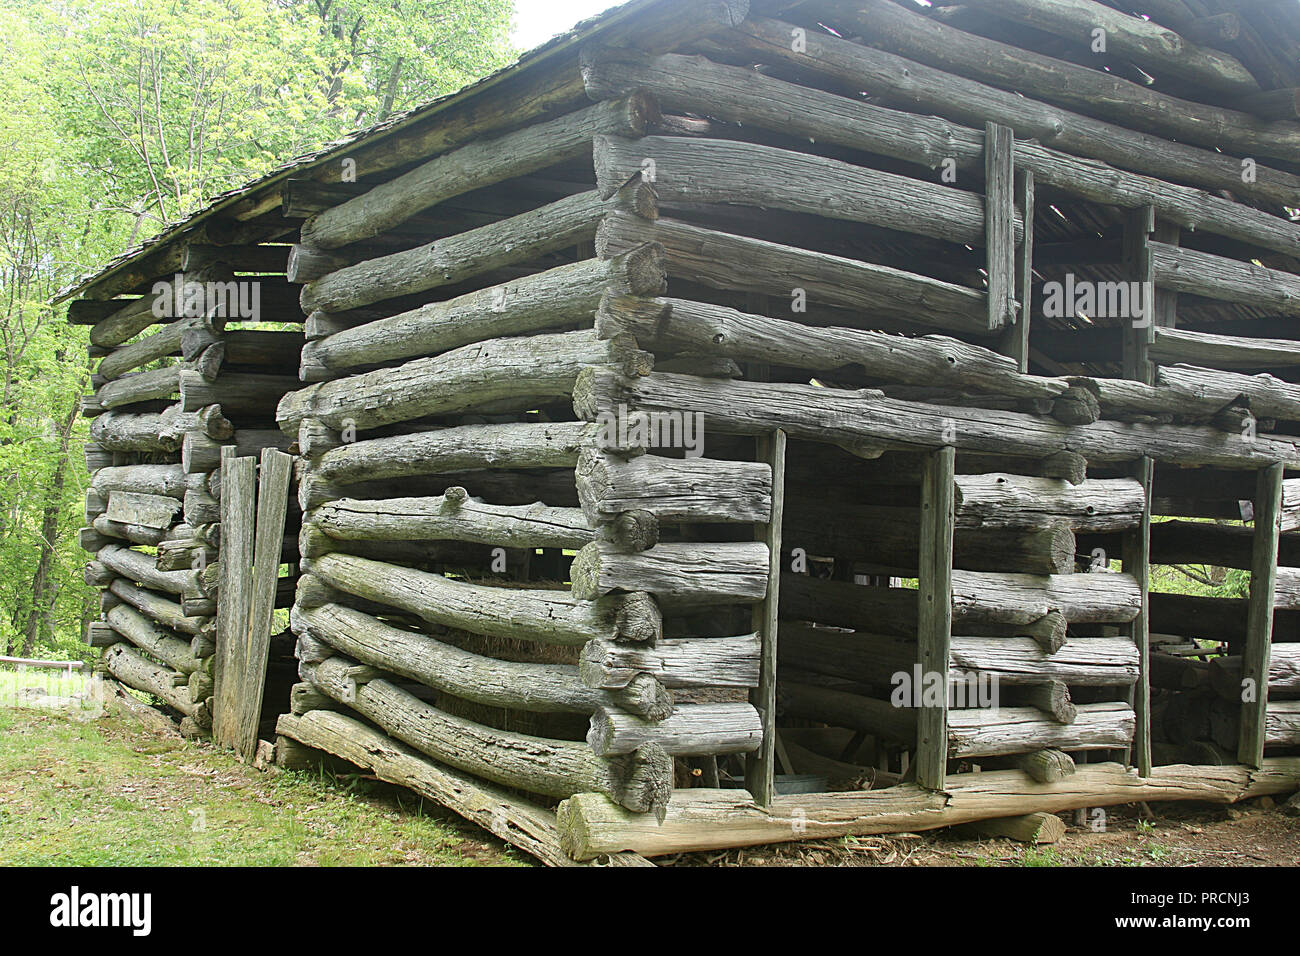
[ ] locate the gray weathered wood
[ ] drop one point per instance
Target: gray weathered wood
(641, 781)
(519, 370)
(471, 167)
(542, 688)
(459, 257)
(238, 528)
(548, 617)
(692, 729)
(831, 415)
(679, 573)
(1259, 616)
(454, 516)
(674, 489)
(725, 261)
(694, 84)
(564, 296)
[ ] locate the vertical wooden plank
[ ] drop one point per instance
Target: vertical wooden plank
(1259, 616)
(934, 599)
(1137, 562)
(238, 503)
(760, 766)
(1139, 332)
(1015, 342)
(999, 224)
(272, 503)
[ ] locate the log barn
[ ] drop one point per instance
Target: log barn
(741, 422)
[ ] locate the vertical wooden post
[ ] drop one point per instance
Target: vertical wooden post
(1137, 562)
(272, 503)
(238, 503)
(1259, 616)
(999, 224)
(1015, 342)
(760, 766)
(934, 601)
(1139, 333)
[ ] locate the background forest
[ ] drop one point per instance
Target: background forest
(119, 117)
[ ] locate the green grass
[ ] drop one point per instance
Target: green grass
(80, 792)
(55, 683)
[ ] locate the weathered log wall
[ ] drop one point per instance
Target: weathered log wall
(620, 430)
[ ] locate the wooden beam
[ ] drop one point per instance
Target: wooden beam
(238, 530)
(760, 766)
(745, 96)
(889, 26)
(1158, 50)
(934, 609)
(712, 819)
(999, 218)
(1136, 552)
(1015, 342)
(1259, 617)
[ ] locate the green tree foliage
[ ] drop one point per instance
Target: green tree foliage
(120, 117)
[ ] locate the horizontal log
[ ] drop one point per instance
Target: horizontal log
(163, 480)
(703, 819)
(725, 261)
(693, 729)
(555, 768)
(548, 617)
(461, 448)
(1222, 351)
(1015, 661)
(1003, 602)
(1211, 390)
(677, 573)
(459, 257)
(1020, 501)
(674, 489)
(745, 96)
(539, 688)
(238, 394)
(156, 384)
(135, 670)
(564, 296)
(736, 172)
(702, 662)
(517, 487)
(473, 166)
(158, 608)
(153, 638)
(519, 370)
(841, 416)
(200, 454)
(453, 516)
(140, 568)
(125, 531)
(127, 431)
(889, 537)
(529, 827)
(983, 732)
(137, 315)
(1283, 672)
(670, 325)
(1157, 49)
(1057, 81)
(202, 331)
